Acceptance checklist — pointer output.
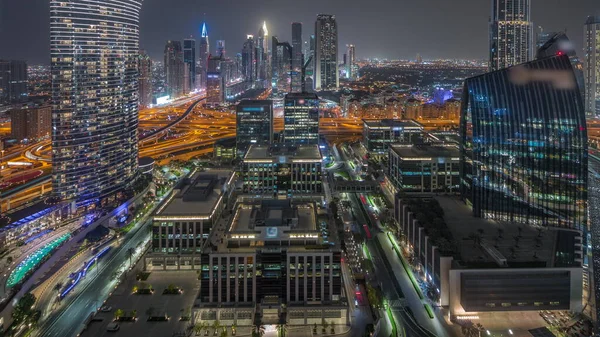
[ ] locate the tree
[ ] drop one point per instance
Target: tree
(281, 329)
(23, 309)
(374, 296)
(224, 333)
(325, 325)
(134, 313)
(130, 253)
(119, 313)
(216, 325)
(9, 260)
(58, 286)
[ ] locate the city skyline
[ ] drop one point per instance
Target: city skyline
(452, 31)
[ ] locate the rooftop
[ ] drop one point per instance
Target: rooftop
(426, 150)
(196, 195)
(388, 123)
(305, 152)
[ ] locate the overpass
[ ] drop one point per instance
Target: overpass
(154, 134)
(346, 186)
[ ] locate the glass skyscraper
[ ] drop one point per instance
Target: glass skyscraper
(94, 60)
(254, 124)
(592, 65)
(524, 145)
(189, 57)
(301, 119)
(511, 33)
(326, 53)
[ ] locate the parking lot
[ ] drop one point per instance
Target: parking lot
(174, 306)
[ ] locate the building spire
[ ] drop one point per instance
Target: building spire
(204, 31)
(264, 27)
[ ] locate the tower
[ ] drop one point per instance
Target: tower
(174, 69)
(145, 79)
(511, 33)
(189, 57)
(326, 53)
(592, 65)
(204, 52)
(249, 59)
(351, 60)
(296, 56)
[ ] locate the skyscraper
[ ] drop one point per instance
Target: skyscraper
(281, 66)
(262, 54)
(13, 82)
(221, 48)
(174, 69)
(189, 57)
(215, 85)
(301, 119)
(511, 33)
(249, 59)
(524, 145)
(592, 65)
(543, 37)
(30, 123)
(350, 63)
(309, 82)
(145, 79)
(297, 57)
(254, 124)
(326, 53)
(203, 57)
(94, 96)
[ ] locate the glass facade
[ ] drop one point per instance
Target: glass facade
(301, 119)
(94, 58)
(511, 33)
(326, 53)
(254, 124)
(524, 145)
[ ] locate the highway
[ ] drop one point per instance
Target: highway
(75, 308)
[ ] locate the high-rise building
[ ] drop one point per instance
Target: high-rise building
(262, 56)
(174, 69)
(30, 123)
(281, 67)
(203, 57)
(297, 57)
(145, 79)
(215, 86)
(326, 53)
(543, 37)
(249, 59)
(189, 57)
(95, 96)
(524, 145)
(592, 65)
(309, 79)
(13, 82)
(511, 33)
(301, 118)
(221, 48)
(254, 124)
(351, 62)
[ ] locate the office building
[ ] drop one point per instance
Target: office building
(309, 72)
(203, 54)
(273, 264)
(221, 48)
(254, 124)
(249, 59)
(189, 57)
(185, 218)
(301, 119)
(351, 62)
(429, 168)
(297, 57)
(215, 82)
(13, 82)
(543, 37)
(30, 123)
(326, 53)
(174, 69)
(94, 117)
(524, 156)
(378, 134)
(262, 57)
(282, 171)
(281, 81)
(145, 79)
(592, 65)
(511, 33)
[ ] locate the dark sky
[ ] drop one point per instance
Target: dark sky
(378, 28)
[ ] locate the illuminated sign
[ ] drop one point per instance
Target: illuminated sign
(271, 232)
(163, 100)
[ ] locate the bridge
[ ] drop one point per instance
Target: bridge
(153, 135)
(346, 186)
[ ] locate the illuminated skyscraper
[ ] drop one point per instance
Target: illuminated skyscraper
(350, 62)
(249, 59)
(296, 57)
(301, 119)
(13, 82)
(145, 80)
(203, 57)
(254, 124)
(174, 69)
(215, 85)
(592, 65)
(94, 52)
(189, 57)
(262, 56)
(221, 48)
(282, 67)
(511, 33)
(326, 53)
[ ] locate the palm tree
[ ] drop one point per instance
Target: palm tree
(281, 329)
(216, 325)
(9, 260)
(130, 252)
(325, 325)
(58, 286)
(119, 313)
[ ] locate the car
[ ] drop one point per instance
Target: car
(106, 308)
(113, 326)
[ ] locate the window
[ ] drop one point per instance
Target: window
(490, 305)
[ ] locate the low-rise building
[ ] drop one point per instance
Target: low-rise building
(378, 134)
(282, 171)
(428, 167)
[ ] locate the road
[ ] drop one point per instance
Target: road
(68, 320)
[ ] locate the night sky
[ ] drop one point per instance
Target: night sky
(379, 28)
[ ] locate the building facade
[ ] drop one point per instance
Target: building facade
(524, 145)
(378, 134)
(174, 69)
(351, 62)
(95, 96)
(326, 53)
(31, 123)
(511, 33)
(204, 52)
(145, 79)
(301, 119)
(281, 61)
(249, 59)
(189, 58)
(592, 65)
(215, 82)
(297, 57)
(254, 124)
(13, 82)
(274, 171)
